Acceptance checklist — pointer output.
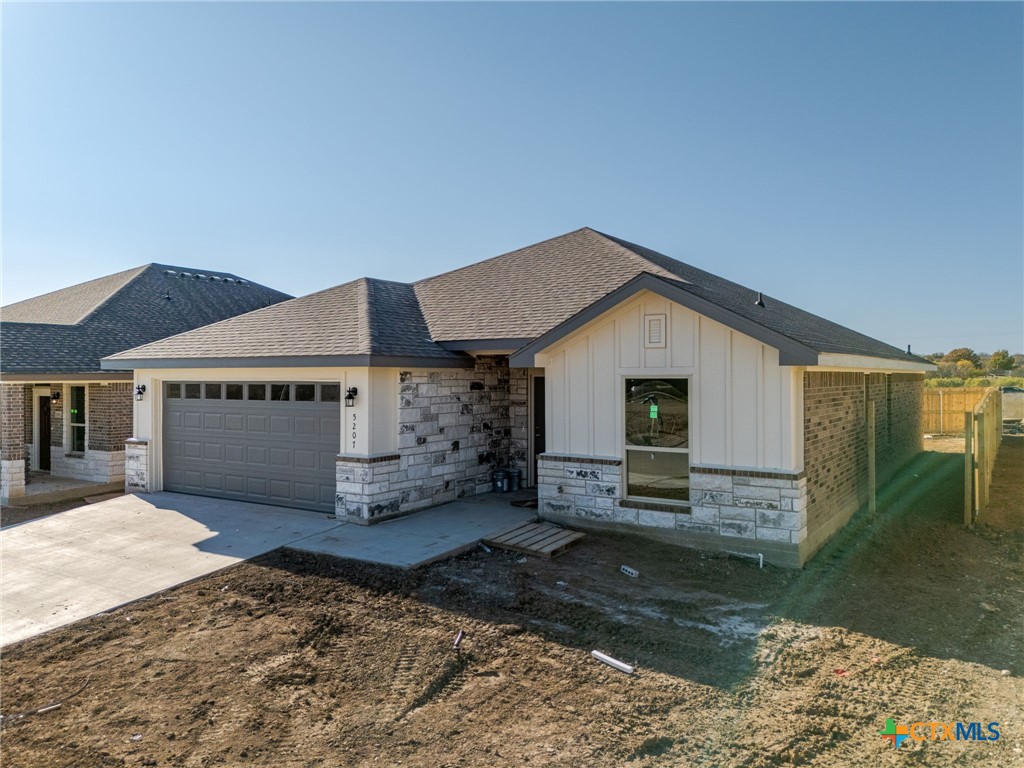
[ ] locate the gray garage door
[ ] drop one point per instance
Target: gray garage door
(270, 443)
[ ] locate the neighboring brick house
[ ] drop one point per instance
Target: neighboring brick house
(634, 391)
(61, 414)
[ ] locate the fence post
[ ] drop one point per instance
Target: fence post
(980, 420)
(968, 469)
(871, 459)
(942, 416)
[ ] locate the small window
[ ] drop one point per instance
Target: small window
(192, 391)
(280, 391)
(257, 391)
(212, 391)
(234, 391)
(76, 417)
(174, 391)
(330, 393)
(305, 393)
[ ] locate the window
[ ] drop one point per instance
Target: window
(192, 391)
(280, 391)
(257, 391)
(174, 391)
(330, 393)
(234, 391)
(212, 391)
(658, 439)
(76, 418)
(305, 393)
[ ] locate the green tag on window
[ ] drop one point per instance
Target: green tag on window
(654, 411)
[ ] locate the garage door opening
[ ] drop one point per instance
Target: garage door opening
(263, 442)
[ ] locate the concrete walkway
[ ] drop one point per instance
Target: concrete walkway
(59, 569)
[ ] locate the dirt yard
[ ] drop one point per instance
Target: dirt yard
(298, 661)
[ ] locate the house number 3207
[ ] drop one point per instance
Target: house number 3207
(353, 430)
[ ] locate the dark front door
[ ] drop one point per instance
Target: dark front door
(538, 421)
(44, 433)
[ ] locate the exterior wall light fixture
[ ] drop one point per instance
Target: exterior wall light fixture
(350, 396)
(55, 397)
(140, 390)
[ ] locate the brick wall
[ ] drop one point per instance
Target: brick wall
(110, 415)
(57, 418)
(12, 421)
(835, 441)
(29, 431)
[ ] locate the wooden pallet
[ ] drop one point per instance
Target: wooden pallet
(538, 539)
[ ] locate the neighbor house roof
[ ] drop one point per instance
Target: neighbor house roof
(70, 330)
(507, 301)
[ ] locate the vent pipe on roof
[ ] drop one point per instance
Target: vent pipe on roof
(760, 300)
(908, 349)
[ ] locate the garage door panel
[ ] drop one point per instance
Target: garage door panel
(271, 452)
(304, 458)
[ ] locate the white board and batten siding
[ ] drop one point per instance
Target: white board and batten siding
(745, 409)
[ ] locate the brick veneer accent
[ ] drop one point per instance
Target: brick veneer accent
(57, 417)
(12, 421)
(110, 415)
(136, 466)
(835, 441)
(29, 427)
(12, 440)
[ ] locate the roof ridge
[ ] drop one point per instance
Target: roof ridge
(141, 271)
(623, 245)
(368, 316)
(499, 256)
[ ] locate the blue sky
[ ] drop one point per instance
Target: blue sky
(863, 161)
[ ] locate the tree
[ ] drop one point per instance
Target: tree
(962, 353)
(1000, 360)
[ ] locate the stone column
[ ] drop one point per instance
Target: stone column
(136, 466)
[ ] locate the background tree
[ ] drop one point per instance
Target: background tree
(1000, 360)
(962, 353)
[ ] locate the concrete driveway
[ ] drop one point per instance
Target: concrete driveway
(62, 568)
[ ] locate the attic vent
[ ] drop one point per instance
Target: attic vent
(654, 331)
(243, 282)
(185, 274)
(170, 272)
(214, 277)
(200, 277)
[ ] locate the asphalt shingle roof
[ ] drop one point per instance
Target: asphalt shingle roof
(70, 330)
(518, 295)
(364, 317)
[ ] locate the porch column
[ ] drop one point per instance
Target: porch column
(12, 440)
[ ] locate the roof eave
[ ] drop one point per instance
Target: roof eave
(791, 352)
(290, 361)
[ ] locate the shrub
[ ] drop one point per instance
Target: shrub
(943, 382)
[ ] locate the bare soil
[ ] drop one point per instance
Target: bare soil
(294, 660)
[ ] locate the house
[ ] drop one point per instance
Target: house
(634, 391)
(62, 414)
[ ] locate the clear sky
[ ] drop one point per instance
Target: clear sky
(863, 161)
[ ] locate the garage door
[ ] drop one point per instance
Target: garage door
(270, 443)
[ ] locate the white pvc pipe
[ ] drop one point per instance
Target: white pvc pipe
(614, 663)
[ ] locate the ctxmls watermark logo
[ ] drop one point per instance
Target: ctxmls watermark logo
(935, 731)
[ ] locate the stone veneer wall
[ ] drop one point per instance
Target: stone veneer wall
(12, 440)
(455, 426)
(730, 509)
(835, 441)
(136, 466)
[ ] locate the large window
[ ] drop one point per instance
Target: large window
(658, 439)
(76, 419)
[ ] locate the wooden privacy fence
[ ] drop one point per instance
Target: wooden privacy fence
(983, 429)
(943, 408)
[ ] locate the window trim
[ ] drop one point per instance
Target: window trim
(69, 440)
(627, 447)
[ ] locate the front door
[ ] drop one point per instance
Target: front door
(43, 449)
(538, 422)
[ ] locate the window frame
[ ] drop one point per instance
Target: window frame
(71, 424)
(627, 447)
